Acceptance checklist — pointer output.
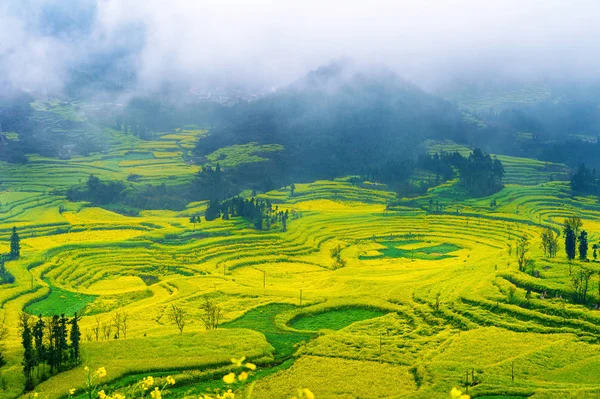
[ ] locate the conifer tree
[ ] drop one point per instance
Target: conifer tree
(28, 352)
(75, 338)
(38, 339)
(15, 244)
(583, 245)
(570, 242)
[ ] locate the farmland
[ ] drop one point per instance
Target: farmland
(423, 298)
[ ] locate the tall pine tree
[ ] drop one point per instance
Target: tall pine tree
(15, 244)
(28, 353)
(75, 338)
(583, 245)
(570, 242)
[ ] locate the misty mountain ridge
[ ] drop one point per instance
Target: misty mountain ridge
(340, 118)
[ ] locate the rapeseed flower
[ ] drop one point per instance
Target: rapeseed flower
(251, 366)
(170, 380)
(238, 362)
(156, 393)
(101, 372)
(229, 378)
(147, 382)
(102, 394)
(308, 394)
(457, 394)
(227, 395)
(72, 391)
(243, 376)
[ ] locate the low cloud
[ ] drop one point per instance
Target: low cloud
(207, 43)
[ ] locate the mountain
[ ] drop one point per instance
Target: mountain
(340, 118)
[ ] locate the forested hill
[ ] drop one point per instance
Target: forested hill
(338, 119)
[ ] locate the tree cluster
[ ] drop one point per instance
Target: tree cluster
(50, 345)
(479, 173)
(261, 213)
(585, 181)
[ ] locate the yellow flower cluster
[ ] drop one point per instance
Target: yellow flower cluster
(457, 394)
(101, 372)
(156, 393)
(243, 376)
(103, 395)
(147, 382)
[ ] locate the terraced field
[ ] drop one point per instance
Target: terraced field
(423, 301)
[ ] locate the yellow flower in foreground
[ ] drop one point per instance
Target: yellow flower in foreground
(229, 378)
(102, 394)
(35, 394)
(227, 395)
(455, 393)
(101, 372)
(243, 376)
(86, 369)
(170, 380)
(238, 362)
(147, 382)
(72, 391)
(308, 394)
(118, 396)
(156, 393)
(464, 397)
(251, 366)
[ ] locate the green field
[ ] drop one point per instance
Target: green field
(422, 299)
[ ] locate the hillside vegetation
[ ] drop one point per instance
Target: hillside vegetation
(385, 296)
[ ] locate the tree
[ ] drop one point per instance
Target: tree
(575, 223)
(595, 252)
(194, 220)
(292, 189)
(28, 351)
(117, 323)
(549, 243)
(3, 334)
(570, 242)
(38, 339)
(580, 283)
(15, 244)
(75, 338)
(583, 245)
(63, 346)
(522, 250)
(177, 316)
(211, 314)
(124, 318)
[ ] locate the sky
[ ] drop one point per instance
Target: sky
(260, 43)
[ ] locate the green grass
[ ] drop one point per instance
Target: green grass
(435, 252)
(335, 319)
(262, 319)
(60, 301)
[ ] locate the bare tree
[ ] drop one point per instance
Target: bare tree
(522, 250)
(124, 318)
(116, 322)
(211, 314)
(96, 328)
(549, 243)
(106, 330)
(177, 316)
